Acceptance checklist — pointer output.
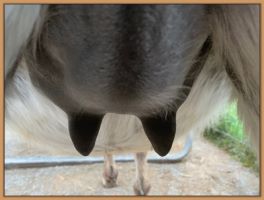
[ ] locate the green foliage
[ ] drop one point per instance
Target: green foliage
(231, 124)
(228, 134)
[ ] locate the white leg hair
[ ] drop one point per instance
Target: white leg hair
(142, 184)
(110, 171)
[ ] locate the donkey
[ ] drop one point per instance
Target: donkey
(128, 78)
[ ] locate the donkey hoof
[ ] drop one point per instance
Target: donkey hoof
(110, 178)
(142, 187)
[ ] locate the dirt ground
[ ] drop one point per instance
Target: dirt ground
(206, 171)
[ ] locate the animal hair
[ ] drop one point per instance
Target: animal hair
(230, 72)
(19, 23)
(236, 39)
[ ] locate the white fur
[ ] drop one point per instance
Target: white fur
(33, 115)
(235, 39)
(19, 23)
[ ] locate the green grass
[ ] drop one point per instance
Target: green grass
(228, 135)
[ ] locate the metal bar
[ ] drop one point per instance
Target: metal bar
(47, 161)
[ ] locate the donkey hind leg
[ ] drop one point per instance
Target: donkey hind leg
(239, 36)
(142, 185)
(110, 172)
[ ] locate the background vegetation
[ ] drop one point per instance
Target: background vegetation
(228, 135)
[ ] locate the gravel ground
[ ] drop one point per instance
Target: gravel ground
(206, 171)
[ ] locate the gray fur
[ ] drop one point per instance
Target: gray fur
(231, 72)
(19, 22)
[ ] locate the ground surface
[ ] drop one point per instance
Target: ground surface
(206, 171)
